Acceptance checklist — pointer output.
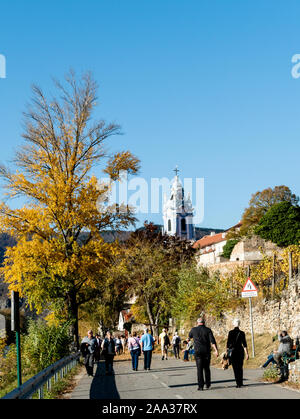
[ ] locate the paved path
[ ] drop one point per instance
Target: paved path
(173, 379)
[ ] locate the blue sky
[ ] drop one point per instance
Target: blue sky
(205, 85)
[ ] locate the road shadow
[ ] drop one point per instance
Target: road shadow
(103, 386)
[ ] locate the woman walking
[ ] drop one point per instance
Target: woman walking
(237, 342)
(109, 351)
(135, 350)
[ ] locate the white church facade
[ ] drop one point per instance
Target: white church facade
(178, 212)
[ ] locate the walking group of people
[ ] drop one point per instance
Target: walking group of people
(201, 340)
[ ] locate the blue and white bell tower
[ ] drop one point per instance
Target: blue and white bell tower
(178, 212)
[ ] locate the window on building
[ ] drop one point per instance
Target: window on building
(183, 224)
(169, 225)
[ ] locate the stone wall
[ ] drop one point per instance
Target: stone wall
(294, 372)
(268, 316)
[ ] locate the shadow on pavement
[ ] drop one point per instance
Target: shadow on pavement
(103, 386)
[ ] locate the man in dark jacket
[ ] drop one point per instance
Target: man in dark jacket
(203, 341)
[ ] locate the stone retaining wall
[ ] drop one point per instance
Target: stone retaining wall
(268, 316)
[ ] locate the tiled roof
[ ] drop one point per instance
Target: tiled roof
(208, 241)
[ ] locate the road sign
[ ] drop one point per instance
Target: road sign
(249, 289)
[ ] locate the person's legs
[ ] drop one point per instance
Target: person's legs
(166, 351)
(106, 363)
(149, 359)
(186, 355)
(89, 361)
(110, 363)
(132, 359)
(270, 359)
(146, 353)
(237, 366)
(135, 359)
(199, 364)
(206, 366)
(176, 351)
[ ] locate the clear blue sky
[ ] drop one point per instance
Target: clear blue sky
(205, 85)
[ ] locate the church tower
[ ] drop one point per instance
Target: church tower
(178, 212)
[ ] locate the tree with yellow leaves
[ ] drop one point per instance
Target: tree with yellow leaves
(60, 259)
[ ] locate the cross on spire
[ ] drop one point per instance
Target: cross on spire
(176, 170)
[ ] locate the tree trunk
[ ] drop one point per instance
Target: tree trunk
(150, 316)
(73, 316)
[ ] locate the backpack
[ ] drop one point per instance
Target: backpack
(166, 340)
(177, 340)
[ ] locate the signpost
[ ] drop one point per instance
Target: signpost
(249, 291)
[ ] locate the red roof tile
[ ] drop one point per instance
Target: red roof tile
(208, 241)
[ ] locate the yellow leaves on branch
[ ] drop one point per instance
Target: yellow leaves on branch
(270, 268)
(36, 268)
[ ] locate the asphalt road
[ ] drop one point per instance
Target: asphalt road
(173, 379)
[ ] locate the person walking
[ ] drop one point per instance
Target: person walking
(135, 350)
(88, 348)
(98, 347)
(109, 351)
(118, 344)
(176, 345)
(203, 341)
(123, 342)
(237, 342)
(164, 342)
(147, 345)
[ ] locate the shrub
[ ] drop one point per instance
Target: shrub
(227, 249)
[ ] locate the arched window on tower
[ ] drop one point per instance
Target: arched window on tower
(183, 224)
(169, 225)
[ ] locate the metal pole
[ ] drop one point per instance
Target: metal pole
(251, 324)
(19, 370)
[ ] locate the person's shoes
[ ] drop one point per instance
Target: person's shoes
(166, 358)
(148, 369)
(207, 386)
(239, 386)
(162, 358)
(200, 388)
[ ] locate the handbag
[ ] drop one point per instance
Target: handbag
(230, 350)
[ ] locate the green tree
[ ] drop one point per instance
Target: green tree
(259, 204)
(280, 224)
(198, 291)
(227, 249)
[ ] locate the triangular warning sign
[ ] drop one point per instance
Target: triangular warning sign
(249, 286)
